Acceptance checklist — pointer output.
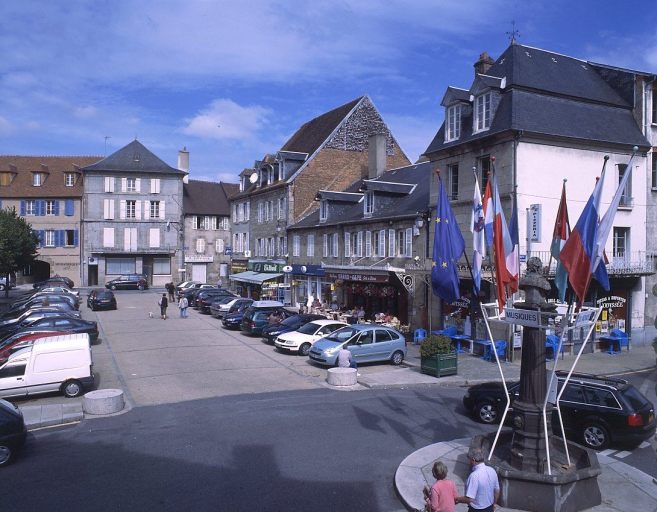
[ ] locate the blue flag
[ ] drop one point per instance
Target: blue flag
(448, 245)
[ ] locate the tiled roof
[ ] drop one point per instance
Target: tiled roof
(313, 133)
(54, 169)
(133, 157)
(206, 198)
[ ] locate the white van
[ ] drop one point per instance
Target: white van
(57, 363)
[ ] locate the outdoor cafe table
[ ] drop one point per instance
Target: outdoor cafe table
(457, 338)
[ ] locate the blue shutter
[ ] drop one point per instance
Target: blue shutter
(58, 238)
(75, 237)
(56, 205)
(40, 234)
(41, 207)
(69, 207)
(22, 208)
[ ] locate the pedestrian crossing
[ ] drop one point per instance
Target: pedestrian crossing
(621, 454)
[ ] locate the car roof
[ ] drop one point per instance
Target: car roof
(327, 322)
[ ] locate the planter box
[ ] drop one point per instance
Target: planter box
(440, 365)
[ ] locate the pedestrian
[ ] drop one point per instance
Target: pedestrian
(183, 304)
(346, 358)
(163, 303)
(482, 489)
(361, 314)
(171, 290)
(441, 497)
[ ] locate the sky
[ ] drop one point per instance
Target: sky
(232, 80)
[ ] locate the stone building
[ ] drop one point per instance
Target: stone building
(132, 217)
(546, 117)
(47, 192)
(206, 230)
(328, 152)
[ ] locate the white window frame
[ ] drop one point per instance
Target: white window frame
(154, 210)
(30, 207)
(131, 184)
(131, 209)
(200, 245)
(37, 179)
(368, 203)
(49, 238)
(155, 185)
(326, 245)
(453, 178)
(392, 243)
(453, 124)
(335, 245)
(381, 247)
(247, 211)
(296, 245)
(310, 245)
(621, 234)
(69, 179)
(50, 207)
(260, 212)
(359, 244)
(109, 184)
(219, 246)
(281, 208)
(482, 112)
(368, 244)
(408, 243)
(323, 210)
(347, 244)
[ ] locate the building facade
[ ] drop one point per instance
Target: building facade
(132, 217)
(47, 192)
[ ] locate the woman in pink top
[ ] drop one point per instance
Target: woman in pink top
(442, 495)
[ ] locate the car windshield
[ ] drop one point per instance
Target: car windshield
(104, 295)
(342, 335)
(291, 321)
(310, 328)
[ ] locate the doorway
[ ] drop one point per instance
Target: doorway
(199, 272)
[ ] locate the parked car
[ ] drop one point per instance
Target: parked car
(59, 290)
(61, 307)
(271, 332)
(191, 291)
(101, 299)
(204, 298)
(215, 305)
(233, 319)
(128, 282)
(220, 309)
(32, 315)
(596, 411)
(12, 432)
(3, 284)
(186, 284)
(21, 340)
(256, 317)
(55, 280)
(367, 343)
(73, 299)
(302, 339)
(63, 324)
(42, 300)
(58, 363)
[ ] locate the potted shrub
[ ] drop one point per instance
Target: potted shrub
(437, 356)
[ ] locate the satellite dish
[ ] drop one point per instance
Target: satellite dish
(254, 177)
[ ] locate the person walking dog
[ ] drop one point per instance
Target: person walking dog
(163, 303)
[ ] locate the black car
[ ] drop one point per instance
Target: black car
(233, 320)
(271, 332)
(54, 281)
(128, 282)
(31, 315)
(191, 292)
(596, 411)
(62, 323)
(204, 298)
(44, 301)
(12, 431)
(239, 304)
(101, 299)
(257, 318)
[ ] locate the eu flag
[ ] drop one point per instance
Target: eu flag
(448, 245)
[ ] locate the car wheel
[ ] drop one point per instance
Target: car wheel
(113, 287)
(595, 436)
(93, 308)
(72, 388)
(6, 454)
(486, 412)
(397, 358)
(304, 349)
(2, 287)
(141, 287)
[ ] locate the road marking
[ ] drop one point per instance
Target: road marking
(622, 455)
(607, 452)
(130, 307)
(645, 444)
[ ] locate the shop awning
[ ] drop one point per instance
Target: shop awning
(254, 277)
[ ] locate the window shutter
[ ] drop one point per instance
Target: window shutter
(69, 207)
(368, 244)
(325, 246)
(138, 209)
(122, 208)
(55, 207)
(247, 242)
(195, 222)
(155, 185)
(40, 233)
(111, 208)
(126, 239)
(162, 213)
(154, 237)
(41, 207)
(347, 245)
(109, 184)
(200, 245)
(137, 184)
(22, 208)
(76, 238)
(108, 237)
(219, 246)
(147, 210)
(106, 203)
(124, 184)
(391, 243)
(213, 222)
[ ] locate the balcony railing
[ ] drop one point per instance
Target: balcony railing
(635, 263)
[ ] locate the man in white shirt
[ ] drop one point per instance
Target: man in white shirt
(482, 490)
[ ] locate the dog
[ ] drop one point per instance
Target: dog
(150, 314)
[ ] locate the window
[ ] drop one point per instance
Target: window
(247, 211)
(6, 178)
(154, 238)
(69, 237)
(483, 163)
(129, 239)
(380, 243)
(347, 245)
(154, 209)
(334, 245)
(392, 243)
(37, 179)
(130, 209)
(235, 216)
(621, 242)
(223, 224)
(369, 203)
(260, 213)
(654, 105)
(281, 208)
(219, 246)
(453, 175)
(200, 245)
(162, 266)
(482, 112)
(50, 208)
(359, 244)
(296, 245)
(310, 245)
(30, 207)
(272, 247)
(120, 265)
(13, 371)
(383, 335)
(108, 237)
(626, 196)
(366, 338)
(213, 223)
(654, 166)
(109, 184)
(453, 123)
(408, 243)
(323, 210)
(155, 185)
(573, 393)
(49, 239)
(603, 397)
(368, 244)
(69, 179)
(326, 246)
(401, 240)
(131, 184)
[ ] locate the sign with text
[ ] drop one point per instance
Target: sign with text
(258, 266)
(359, 278)
(535, 222)
(197, 258)
(522, 317)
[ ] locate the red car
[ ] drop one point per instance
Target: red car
(9, 345)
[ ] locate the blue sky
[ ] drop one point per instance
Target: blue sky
(232, 81)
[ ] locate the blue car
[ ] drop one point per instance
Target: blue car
(233, 320)
(367, 343)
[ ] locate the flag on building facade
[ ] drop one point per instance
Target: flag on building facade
(478, 237)
(448, 245)
(559, 239)
(488, 213)
(513, 260)
(503, 247)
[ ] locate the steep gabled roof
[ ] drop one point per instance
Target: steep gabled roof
(206, 198)
(133, 157)
(312, 134)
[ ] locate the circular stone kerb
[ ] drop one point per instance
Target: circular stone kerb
(103, 401)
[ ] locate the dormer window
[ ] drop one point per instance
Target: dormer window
(6, 178)
(482, 112)
(453, 123)
(323, 211)
(69, 179)
(37, 179)
(368, 204)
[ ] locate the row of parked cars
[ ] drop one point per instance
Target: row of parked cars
(44, 347)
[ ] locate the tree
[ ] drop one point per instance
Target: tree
(18, 244)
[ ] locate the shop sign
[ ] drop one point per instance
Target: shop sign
(535, 222)
(613, 301)
(359, 278)
(275, 285)
(259, 266)
(228, 250)
(237, 266)
(522, 317)
(308, 270)
(197, 258)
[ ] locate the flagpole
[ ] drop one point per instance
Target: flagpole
(493, 255)
(492, 247)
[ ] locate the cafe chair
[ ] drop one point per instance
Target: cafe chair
(621, 338)
(552, 342)
(449, 331)
(500, 349)
(419, 336)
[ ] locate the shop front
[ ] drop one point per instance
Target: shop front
(261, 280)
(309, 282)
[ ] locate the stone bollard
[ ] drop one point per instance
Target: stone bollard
(103, 401)
(342, 377)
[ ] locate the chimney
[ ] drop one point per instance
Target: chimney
(483, 64)
(376, 155)
(183, 162)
